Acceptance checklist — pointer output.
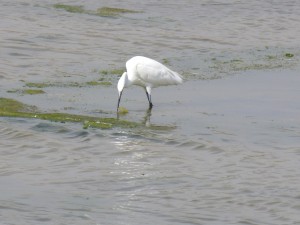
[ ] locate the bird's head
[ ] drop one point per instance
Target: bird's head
(121, 84)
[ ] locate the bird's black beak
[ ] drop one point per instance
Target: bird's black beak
(120, 95)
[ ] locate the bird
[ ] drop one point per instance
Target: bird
(148, 74)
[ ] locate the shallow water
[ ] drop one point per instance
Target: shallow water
(212, 151)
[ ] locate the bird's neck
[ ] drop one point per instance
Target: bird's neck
(127, 81)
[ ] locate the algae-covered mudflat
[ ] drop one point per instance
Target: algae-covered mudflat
(13, 108)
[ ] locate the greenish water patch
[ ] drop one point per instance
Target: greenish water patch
(166, 62)
(101, 83)
(253, 60)
(33, 92)
(271, 57)
(54, 84)
(96, 124)
(13, 91)
(122, 110)
(10, 105)
(223, 63)
(111, 12)
(70, 8)
(289, 55)
(38, 85)
(103, 12)
(163, 128)
(13, 108)
(112, 72)
(27, 91)
(240, 65)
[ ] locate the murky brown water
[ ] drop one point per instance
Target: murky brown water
(213, 151)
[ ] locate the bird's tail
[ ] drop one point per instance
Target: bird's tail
(177, 77)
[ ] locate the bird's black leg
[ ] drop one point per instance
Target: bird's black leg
(150, 105)
(120, 95)
(149, 99)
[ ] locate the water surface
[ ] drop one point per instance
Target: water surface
(212, 151)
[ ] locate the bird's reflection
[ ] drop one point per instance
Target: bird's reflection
(146, 121)
(146, 118)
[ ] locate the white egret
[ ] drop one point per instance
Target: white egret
(147, 73)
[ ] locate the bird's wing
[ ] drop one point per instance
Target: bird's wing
(157, 74)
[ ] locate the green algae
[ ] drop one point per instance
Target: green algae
(70, 8)
(112, 12)
(103, 12)
(38, 85)
(10, 105)
(236, 61)
(289, 55)
(112, 72)
(92, 83)
(56, 84)
(166, 61)
(13, 91)
(101, 83)
(96, 124)
(265, 62)
(53, 84)
(122, 110)
(33, 91)
(271, 57)
(13, 108)
(223, 63)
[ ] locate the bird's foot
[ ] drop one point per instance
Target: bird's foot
(150, 105)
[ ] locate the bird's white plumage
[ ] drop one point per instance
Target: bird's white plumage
(147, 73)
